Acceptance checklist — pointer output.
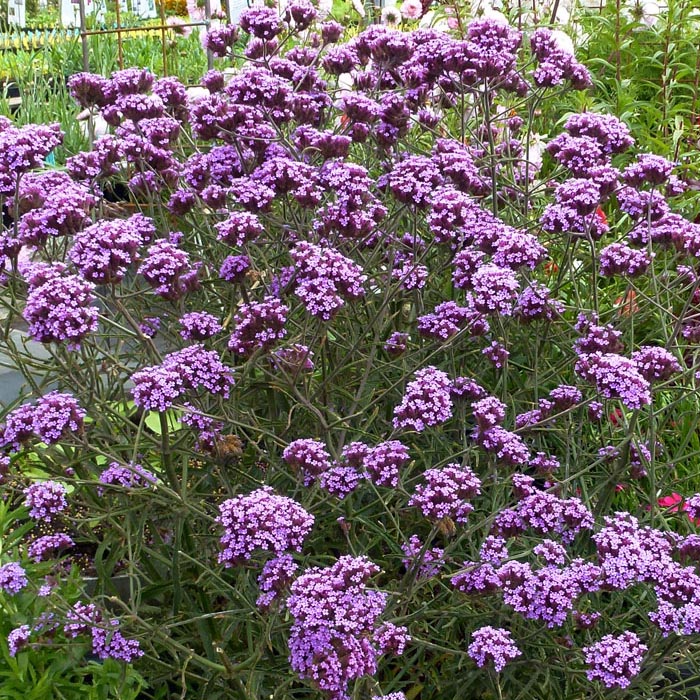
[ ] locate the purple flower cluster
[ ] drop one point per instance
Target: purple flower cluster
(630, 554)
(13, 578)
(445, 493)
(51, 419)
(129, 477)
(168, 270)
(108, 642)
(655, 364)
(199, 325)
(156, 388)
(240, 228)
(24, 149)
(426, 402)
(620, 259)
(508, 448)
(325, 279)
(548, 594)
(384, 462)
(615, 660)
(446, 320)
(426, 561)
(414, 180)
(546, 514)
(309, 457)
(48, 546)
(104, 251)
(59, 305)
(261, 520)
(45, 499)
(495, 289)
(258, 326)
(560, 399)
(615, 377)
(334, 637)
(275, 577)
(492, 645)
(555, 64)
(18, 639)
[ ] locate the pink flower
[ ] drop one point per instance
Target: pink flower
(671, 502)
(674, 503)
(412, 9)
(176, 24)
(195, 12)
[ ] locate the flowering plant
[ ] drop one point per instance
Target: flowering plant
(337, 393)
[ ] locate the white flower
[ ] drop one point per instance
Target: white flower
(359, 7)
(489, 9)
(345, 85)
(391, 16)
(412, 9)
(562, 16)
(563, 41)
(650, 13)
(435, 21)
(535, 148)
(495, 15)
(324, 8)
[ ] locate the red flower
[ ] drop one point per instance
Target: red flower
(627, 304)
(616, 417)
(674, 503)
(671, 502)
(551, 268)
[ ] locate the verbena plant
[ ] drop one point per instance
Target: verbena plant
(361, 392)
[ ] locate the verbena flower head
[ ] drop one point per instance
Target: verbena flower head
(615, 377)
(427, 562)
(56, 415)
(18, 639)
(445, 493)
(45, 500)
(615, 659)
(199, 325)
(13, 578)
(426, 402)
(49, 546)
(104, 251)
(18, 428)
(156, 388)
(275, 577)
(620, 259)
(325, 279)
(262, 22)
(336, 622)
(508, 447)
(309, 457)
(258, 326)
(655, 364)
(495, 289)
(221, 40)
(108, 642)
(128, 477)
(384, 462)
(414, 180)
(59, 306)
(169, 271)
(261, 520)
(492, 645)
